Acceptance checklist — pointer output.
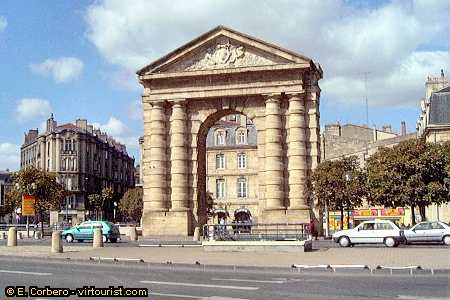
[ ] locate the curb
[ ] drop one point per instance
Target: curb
(168, 245)
(118, 259)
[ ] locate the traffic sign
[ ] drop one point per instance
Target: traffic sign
(28, 202)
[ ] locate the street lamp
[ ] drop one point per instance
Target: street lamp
(348, 177)
(115, 206)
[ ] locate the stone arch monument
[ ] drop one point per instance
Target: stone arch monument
(186, 91)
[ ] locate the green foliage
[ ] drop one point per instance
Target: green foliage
(131, 205)
(49, 193)
(412, 173)
(95, 201)
(339, 184)
(107, 195)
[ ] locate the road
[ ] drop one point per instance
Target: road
(181, 282)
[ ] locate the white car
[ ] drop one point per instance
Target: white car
(371, 232)
(432, 232)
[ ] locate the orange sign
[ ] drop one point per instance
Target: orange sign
(28, 202)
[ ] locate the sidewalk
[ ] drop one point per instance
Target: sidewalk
(436, 258)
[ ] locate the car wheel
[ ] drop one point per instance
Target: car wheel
(113, 240)
(69, 238)
(389, 242)
(105, 239)
(344, 241)
(446, 240)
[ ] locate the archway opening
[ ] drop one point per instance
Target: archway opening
(227, 166)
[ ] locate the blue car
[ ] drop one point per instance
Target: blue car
(85, 231)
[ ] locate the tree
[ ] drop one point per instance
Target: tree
(131, 205)
(339, 184)
(49, 193)
(412, 173)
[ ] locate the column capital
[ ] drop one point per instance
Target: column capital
(158, 103)
(178, 102)
(272, 97)
(295, 95)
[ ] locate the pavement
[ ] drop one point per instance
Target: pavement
(181, 282)
(430, 257)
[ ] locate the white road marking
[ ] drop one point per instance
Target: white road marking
(195, 297)
(176, 295)
(25, 273)
(246, 288)
(408, 297)
(249, 280)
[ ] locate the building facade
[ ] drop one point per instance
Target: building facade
(225, 72)
(433, 125)
(85, 160)
(232, 166)
(5, 185)
(340, 141)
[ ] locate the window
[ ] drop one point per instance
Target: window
(242, 161)
(2, 195)
(436, 225)
(367, 226)
(242, 188)
(220, 137)
(241, 137)
(220, 188)
(384, 226)
(220, 161)
(423, 226)
(232, 118)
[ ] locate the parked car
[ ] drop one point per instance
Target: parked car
(85, 231)
(432, 232)
(371, 232)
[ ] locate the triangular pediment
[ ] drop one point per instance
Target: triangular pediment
(223, 48)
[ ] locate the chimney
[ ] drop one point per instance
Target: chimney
(403, 126)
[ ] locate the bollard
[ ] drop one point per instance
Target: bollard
(57, 246)
(19, 235)
(12, 237)
(2, 235)
(132, 233)
(98, 238)
(196, 234)
(37, 235)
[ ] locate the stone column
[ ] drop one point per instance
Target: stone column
(297, 166)
(273, 151)
(178, 157)
(158, 158)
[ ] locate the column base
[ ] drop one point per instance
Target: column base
(167, 223)
(272, 215)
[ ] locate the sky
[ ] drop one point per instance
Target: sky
(77, 59)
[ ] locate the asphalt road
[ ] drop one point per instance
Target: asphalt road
(180, 282)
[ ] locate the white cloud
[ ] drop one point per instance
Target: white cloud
(116, 129)
(31, 108)
(9, 156)
(3, 23)
(62, 69)
(346, 39)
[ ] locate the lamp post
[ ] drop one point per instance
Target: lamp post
(348, 177)
(114, 211)
(29, 189)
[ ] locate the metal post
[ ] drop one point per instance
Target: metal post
(28, 228)
(327, 222)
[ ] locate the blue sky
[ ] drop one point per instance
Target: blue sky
(77, 59)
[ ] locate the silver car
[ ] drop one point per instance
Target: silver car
(432, 232)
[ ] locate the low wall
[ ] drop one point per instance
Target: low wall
(252, 246)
